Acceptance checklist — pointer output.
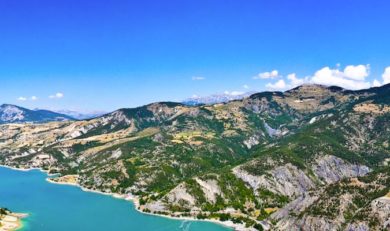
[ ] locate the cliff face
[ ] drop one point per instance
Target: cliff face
(351, 205)
(285, 161)
(286, 180)
(331, 169)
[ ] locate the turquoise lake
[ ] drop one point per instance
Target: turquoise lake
(53, 207)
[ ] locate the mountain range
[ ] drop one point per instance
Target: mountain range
(81, 115)
(310, 158)
(15, 114)
(216, 98)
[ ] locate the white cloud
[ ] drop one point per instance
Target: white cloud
(279, 85)
(386, 76)
(245, 86)
(293, 81)
(350, 79)
(267, 75)
(197, 78)
(376, 83)
(233, 93)
(359, 72)
(58, 95)
(32, 98)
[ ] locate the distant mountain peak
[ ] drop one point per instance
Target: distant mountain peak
(216, 98)
(15, 114)
(10, 112)
(81, 115)
(9, 106)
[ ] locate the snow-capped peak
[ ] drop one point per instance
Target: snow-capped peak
(217, 98)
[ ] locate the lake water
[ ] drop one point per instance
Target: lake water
(54, 207)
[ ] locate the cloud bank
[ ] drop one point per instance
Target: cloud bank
(351, 77)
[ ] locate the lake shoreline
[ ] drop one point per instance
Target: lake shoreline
(12, 221)
(132, 198)
(135, 201)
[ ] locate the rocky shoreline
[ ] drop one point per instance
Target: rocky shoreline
(69, 180)
(10, 221)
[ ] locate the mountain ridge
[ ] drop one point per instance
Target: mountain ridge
(263, 162)
(15, 114)
(81, 115)
(216, 98)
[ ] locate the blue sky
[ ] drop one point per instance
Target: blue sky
(101, 55)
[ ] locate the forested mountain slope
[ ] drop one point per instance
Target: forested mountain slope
(311, 158)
